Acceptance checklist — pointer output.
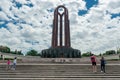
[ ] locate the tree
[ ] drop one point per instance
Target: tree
(17, 52)
(32, 53)
(87, 54)
(110, 52)
(118, 51)
(5, 49)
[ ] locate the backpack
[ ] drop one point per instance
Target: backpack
(92, 59)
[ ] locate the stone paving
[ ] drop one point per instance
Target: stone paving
(61, 71)
(36, 68)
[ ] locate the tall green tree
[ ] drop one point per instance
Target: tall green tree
(118, 51)
(87, 54)
(32, 53)
(110, 52)
(5, 49)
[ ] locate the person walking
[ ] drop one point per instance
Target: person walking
(8, 64)
(103, 62)
(14, 63)
(94, 64)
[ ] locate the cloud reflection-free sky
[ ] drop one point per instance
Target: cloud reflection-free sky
(27, 24)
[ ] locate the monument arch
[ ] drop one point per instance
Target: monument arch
(61, 43)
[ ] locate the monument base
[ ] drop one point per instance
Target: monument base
(61, 52)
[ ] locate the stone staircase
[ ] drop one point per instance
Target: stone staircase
(59, 71)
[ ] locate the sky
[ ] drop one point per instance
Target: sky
(27, 24)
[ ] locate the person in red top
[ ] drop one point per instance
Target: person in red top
(8, 64)
(93, 61)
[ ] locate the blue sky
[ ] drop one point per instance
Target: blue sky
(27, 24)
(89, 4)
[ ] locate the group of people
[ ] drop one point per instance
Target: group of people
(94, 64)
(93, 61)
(13, 65)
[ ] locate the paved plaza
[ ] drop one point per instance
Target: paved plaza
(58, 71)
(36, 68)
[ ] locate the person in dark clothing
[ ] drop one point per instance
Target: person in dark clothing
(1, 56)
(103, 62)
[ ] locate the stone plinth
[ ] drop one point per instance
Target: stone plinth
(61, 52)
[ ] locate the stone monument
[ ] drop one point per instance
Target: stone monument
(61, 45)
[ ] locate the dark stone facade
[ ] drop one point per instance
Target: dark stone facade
(61, 52)
(61, 45)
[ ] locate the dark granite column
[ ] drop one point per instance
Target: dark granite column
(61, 31)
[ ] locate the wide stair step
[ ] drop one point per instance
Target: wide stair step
(59, 72)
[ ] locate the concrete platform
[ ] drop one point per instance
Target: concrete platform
(27, 71)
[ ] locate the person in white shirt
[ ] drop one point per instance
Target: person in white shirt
(14, 63)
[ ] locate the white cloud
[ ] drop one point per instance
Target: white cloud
(3, 16)
(112, 6)
(22, 1)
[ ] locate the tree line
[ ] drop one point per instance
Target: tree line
(33, 52)
(6, 49)
(109, 52)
